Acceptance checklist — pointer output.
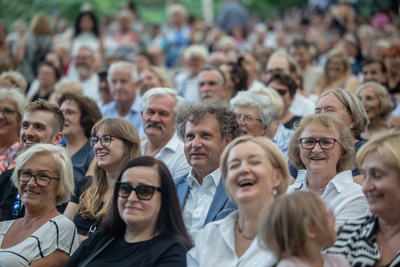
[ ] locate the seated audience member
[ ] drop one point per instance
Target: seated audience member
(153, 77)
(394, 118)
(129, 238)
(42, 123)
(249, 62)
(187, 82)
(376, 101)
(286, 87)
(12, 105)
(67, 87)
(296, 227)
(212, 85)
(80, 113)
(160, 106)
(104, 87)
(115, 142)
(254, 172)
(13, 79)
(236, 78)
(157, 53)
(142, 61)
(376, 234)
(124, 82)
(349, 108)
(322, 144)
(43, 237)
(206, 129)
(217, 59)
(374, 70)
(391, 56)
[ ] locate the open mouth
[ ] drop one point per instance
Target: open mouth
(100, 155)
(246, 183)
(30, 192)
(317, 159)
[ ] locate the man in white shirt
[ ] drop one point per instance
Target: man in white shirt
(206, 130)
(213, 85)
(159, 110)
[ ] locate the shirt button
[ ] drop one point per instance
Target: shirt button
(202, 192)
(196, 212)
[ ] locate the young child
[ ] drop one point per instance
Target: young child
(296, 227)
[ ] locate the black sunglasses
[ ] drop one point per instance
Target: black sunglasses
(143, 192)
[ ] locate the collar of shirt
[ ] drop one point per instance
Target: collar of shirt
(172, 144)
(340, 181)
(215, 175)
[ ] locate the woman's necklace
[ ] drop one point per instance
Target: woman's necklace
(244, 236)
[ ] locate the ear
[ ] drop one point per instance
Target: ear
(265, 130)
(311, 231)
(278, 177)
(227, 139)
(57, 138)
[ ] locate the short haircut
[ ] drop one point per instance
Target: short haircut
(284, 79)
(169, 223)
(385, 104)
(18, 98)
(64, 168)
(40, 25)
(210, 67)
(161, 91)
(51, 65)
(293, 66)
(161, 75)
(194, 113)
(58, 121)
(147, 56)
(274, 154)
(274, 96)
(238, 76)
(284, 224)
(120, 65)
(370, 61)
(300, 43)
(197, 50)
(353, 106)
(16, 78)
(386, 144)
(90, 112)
(266, 110)
(346, 160)
(68, 87)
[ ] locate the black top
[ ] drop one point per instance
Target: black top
(81, 161)
(158, 252)
(292, 122)
(46, 97)
(357, 146)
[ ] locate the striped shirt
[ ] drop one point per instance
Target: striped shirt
(281, 139)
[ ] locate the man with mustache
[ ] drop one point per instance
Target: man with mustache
(213, 85)
(42, 123)
(206, 130)
(160, 106)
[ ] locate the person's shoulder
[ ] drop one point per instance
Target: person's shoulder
(107, 107)
(181, 179)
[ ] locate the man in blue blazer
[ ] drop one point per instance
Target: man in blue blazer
(206, 130)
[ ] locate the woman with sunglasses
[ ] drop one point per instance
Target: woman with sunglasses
(144, 226)
(323, 145)
(115, 141)
(43, 237)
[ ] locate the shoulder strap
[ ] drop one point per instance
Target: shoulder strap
(85, 263)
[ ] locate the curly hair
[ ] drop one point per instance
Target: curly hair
(194, 113)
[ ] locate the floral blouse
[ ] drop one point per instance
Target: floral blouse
(8, 159)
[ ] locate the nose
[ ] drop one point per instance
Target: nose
(29, 131)
(133, 197)
(2, 115)
(196, 143)
(367, 185)
(155, 117)
(32, 182)
(317, 147)
(244, 167)
(98, 145)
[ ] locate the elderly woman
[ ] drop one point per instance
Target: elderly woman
(43, 237)
(13, 79)
(81, 113)
(144, 226)
(376, 101)
(377, 235)
(115, 141)
(254, 172)
(12, 105)
(337, 74)
(322, 144)
(153, 77)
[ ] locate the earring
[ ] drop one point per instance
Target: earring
(274, 192)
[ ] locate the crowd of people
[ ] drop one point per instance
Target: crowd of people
(246, 142)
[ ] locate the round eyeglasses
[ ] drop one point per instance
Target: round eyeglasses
(105, 140)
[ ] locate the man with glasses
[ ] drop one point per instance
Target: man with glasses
(42, 123)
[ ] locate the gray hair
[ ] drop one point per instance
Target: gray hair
(120, 65)
(64, 168)
(198, 50)
(18, 98)
(266, 110)
(16, 78)
(274, 96)
(161, 91)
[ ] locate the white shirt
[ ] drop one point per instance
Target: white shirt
(311, 75)
(199, 201)
(173, 156)
(188, 86)
(256, 84)
(342, 195)
(91, 88)
(302, 106)
(215, 246)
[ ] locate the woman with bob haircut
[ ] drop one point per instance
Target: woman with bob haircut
(296, 227)
(153, 77)
(144, 226)
(376, 101)
(376, 234)
(115, 141)
(322, 144)
(254, 172)
(43, 237)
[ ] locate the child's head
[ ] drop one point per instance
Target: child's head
(292, 220)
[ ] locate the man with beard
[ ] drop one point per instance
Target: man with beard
(42, 123)
(213, 85)
(159, 110)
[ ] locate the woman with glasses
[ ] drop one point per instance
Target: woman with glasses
(144, 226)
(322, 144)
(115, 141)
(12, 104)
(80, 113)
(43, 237)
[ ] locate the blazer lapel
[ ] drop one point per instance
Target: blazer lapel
(218, 202)
(183, 192)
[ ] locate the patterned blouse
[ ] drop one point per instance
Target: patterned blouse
(7, 160)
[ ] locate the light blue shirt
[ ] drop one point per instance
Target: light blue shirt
(110, 110)
(281, 139)
(396, 111)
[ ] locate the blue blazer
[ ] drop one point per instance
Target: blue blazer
(221, 206)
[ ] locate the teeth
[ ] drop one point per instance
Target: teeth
(30, 142)
(101, 154)
(246, 182)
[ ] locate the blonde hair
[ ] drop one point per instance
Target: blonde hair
(90, 200)
(161, 75)
(385, 104)
(19, 100)
(68, 87)
(40, 25)
(346, 160)
(273, 153)
(177, 8)
(284, 224)
(16, 78)
(276, 99)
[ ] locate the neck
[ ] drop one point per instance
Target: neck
(273, 128)
(138, 234)
(7, 141)
(154, 145)
(42, 214)
(86, 77)
(123, 107)
(250, 80)
(286, 116)
(112, 177)
(394, 76)
(317, 182)
(74, 143)
(376, 123)
(389, 227)
(45, 90)
(311, 255)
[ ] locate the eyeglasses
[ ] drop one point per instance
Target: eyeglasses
(17, 207)
(105, 140)
(40, 179)
(246, 118)
(7, 113)
(69, 112)
(143, 192)
(281, 92)
(324, 143)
